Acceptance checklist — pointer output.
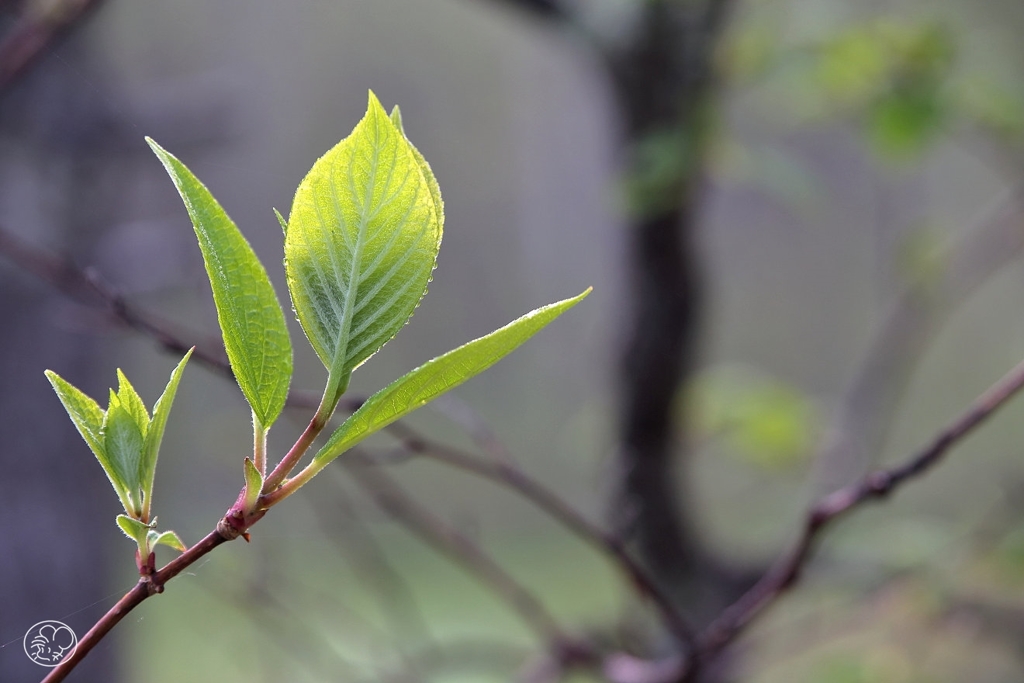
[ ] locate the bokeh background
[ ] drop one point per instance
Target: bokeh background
(843, 182)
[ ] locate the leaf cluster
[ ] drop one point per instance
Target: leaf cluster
(126, 442)
(360, 246)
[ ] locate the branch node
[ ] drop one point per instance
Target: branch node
(230, 527)
(879, 483)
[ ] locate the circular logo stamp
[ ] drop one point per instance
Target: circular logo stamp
(49, 642)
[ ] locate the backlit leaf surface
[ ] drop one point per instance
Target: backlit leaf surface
(251, 319)
(437, 376)
(361, 242)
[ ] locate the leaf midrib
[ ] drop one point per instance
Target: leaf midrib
(341, 350)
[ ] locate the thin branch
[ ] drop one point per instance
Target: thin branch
(88, 288)
(36, 31)
(720, 633)
(511, 477)
(462, 415)
(858, 430)
(358, 548)
(877, 485)
(397, 502)
(145, 588)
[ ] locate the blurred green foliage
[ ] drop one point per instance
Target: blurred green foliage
(894, 74)
(763, 420)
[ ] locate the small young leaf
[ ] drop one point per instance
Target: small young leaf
(134, 529)
(132, 402)
(437, 376)
(88, 417)
(282, 221)
(123, 442)
(251, 319)
(361, 243)
(253, 485)
(155, 434)
(155, 538)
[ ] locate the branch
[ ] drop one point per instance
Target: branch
(397, 502)
(360, 550)
(992, 241)
(34, 32)
(145, 588)
(511, 477)
(89, 288)
(877, 485)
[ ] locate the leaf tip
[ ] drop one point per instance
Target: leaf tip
(374, 107)
(396, 118)
(282, 221)
(153, 145)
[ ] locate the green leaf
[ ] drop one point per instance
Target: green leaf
(155, 435)
(132, 402)
(361, 243)
(123, 442)
(251, 319)
(253, 485)
(155, 538)
(282, 221)
(437, 376)
(88, 418)
(428, 173)
(134, 529)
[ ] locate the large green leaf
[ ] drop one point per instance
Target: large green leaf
(360, 243)
(437, 376)
(88, 417)
(251, 319)
(155, 434)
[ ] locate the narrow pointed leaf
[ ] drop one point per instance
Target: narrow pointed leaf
(437, 376)
(169, 538)
(88, 418)
(251, 319)
(84, 412)
(361, 242)
(132, 402)
(155, 435)
(282, 221)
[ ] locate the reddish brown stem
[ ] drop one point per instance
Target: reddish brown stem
(146, 587)
(292, 457)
